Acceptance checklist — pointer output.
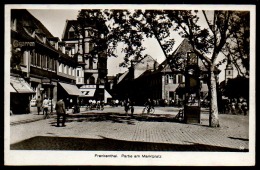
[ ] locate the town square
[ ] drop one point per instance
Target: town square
(133, 83)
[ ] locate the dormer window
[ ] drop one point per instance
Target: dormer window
(14, 24)
(71, 33)
(29, 30)
(44, 40)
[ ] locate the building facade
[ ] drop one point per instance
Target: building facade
(91, 72)
(43, 61)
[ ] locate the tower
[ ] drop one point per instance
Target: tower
(228, 70)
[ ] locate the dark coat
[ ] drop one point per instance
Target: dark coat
(60, 107)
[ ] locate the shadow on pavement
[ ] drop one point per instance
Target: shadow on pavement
(107, 144)
(120, 118)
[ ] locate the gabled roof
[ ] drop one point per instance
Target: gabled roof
(122, 76)
(68, 25)
(74, 23)
(25, 22)
(181, 50)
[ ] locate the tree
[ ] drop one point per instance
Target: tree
(225, 32)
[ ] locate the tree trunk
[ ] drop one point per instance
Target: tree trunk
(213, 112)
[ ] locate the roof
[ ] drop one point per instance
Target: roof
(74, 23)
(181, 51)
(25, 22)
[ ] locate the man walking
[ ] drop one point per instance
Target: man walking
(45, 106)
(39, 104)
(61, 112)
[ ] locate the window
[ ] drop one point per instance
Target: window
(87, 47)
(174, 79)
(170, 79)
(54, 65)
(91, 46)
(69, 72)
(60, 68)
(73, 72)
(180, 78)
(77, 73)
(32, 58)
(39, 59)
(80, 58)
(90, 63)
(65, 69)
(167, 78)
(71, 34)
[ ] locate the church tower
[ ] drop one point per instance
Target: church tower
(228, 70)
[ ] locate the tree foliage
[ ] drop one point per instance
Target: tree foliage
(223, 32)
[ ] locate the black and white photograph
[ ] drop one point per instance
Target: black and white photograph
(164, 85)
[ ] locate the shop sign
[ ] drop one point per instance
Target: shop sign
(17, 43)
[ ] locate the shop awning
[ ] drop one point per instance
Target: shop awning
(71, 89)
(20, 85)
(87, 92)
(12, 90)
(107, 95)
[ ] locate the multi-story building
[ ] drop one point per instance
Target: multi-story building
(156, 81)
(44, 63)
(91, 71)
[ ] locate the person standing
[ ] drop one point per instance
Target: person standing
(127, 104)
(61, 112)
(45, 105)
(132, 107)
(39, 104)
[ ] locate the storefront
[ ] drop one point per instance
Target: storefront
(69, 93)
(20, 95)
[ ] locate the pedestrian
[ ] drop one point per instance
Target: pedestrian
(45, 105)
(244, 107)
(39, 104)
(127, 104)
(61, 112)
(132, 107)
(149, 104)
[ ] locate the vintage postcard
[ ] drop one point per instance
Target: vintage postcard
(164, 85)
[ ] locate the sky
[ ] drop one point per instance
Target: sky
(54, 20)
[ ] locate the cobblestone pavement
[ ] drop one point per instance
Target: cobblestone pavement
(111, 129)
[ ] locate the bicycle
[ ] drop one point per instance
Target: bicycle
(48, 115)
(149, 110)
